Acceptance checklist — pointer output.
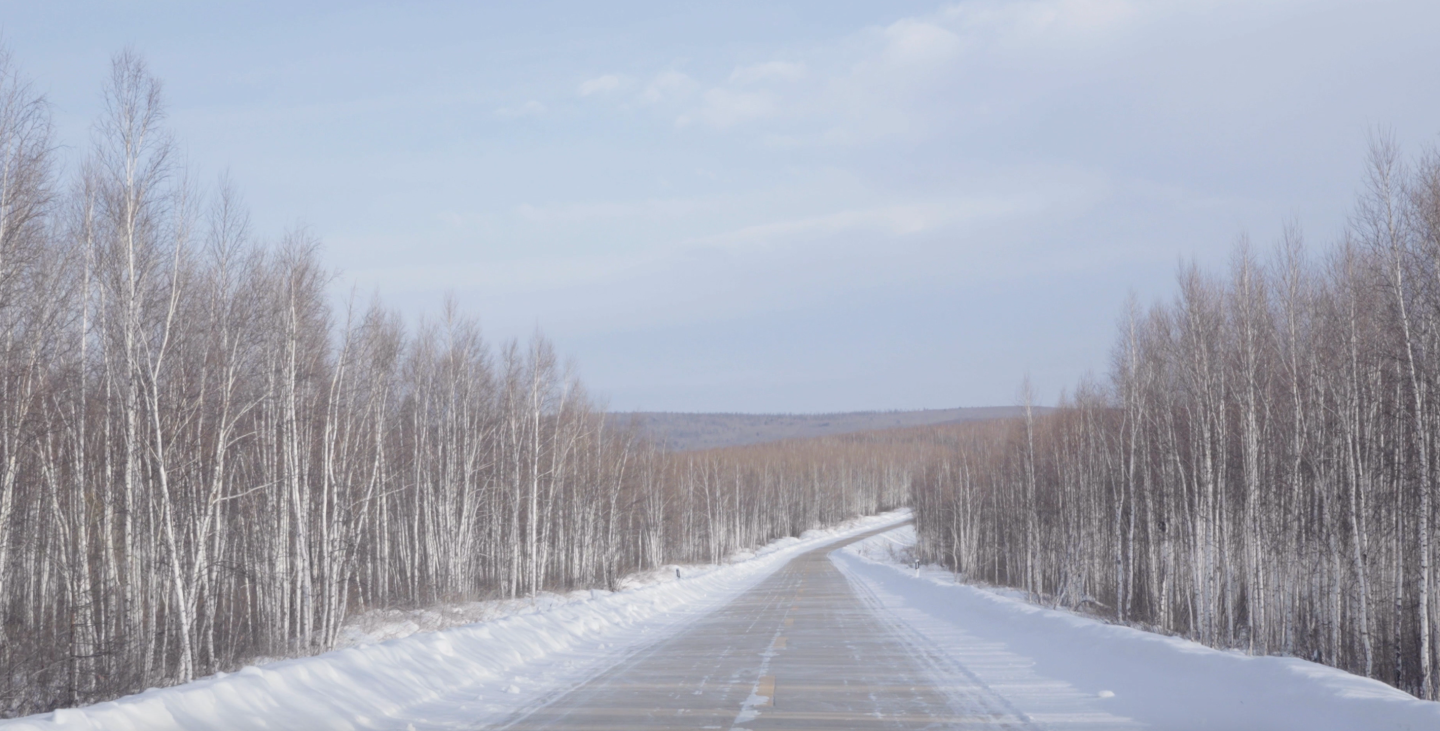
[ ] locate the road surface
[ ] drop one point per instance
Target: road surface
(801, 650)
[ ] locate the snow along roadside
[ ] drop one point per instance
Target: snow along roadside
(1063, 670)
(466, 676)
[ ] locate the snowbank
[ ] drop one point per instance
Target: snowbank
(461, 677)
(1067, 671)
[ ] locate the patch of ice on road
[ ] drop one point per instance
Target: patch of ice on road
(1063, 670)
(397, 675)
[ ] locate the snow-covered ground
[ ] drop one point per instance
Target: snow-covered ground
(460, 677)
(1055, 669)
(1065, 671)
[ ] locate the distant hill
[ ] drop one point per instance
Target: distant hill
(684, 432)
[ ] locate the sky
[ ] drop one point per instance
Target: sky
(772, 206)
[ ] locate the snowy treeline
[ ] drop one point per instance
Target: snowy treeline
(738, 497)
(1260, 469)
(203, 462)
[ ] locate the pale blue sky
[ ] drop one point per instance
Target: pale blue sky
(761, 206)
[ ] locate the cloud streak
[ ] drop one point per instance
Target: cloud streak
(602, 85)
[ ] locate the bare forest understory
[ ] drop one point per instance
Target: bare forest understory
(682, 432)
(203, 461)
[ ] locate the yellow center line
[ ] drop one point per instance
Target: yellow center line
(766, 688)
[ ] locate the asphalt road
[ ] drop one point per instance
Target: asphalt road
(801, 650)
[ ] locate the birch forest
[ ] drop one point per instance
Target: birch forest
(204, 460)
(1258, 471)
(208, 458)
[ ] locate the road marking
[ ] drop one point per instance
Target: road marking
(766, 688)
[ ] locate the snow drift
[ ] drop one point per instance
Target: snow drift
(461, 677)
(1062, 670)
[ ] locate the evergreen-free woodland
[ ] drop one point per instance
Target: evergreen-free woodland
(203, 462)
(1259, 469)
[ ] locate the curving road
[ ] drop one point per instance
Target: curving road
(801, 650)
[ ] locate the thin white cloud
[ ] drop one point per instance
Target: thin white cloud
(722, 108)
(917, 74)
(669, 85)
(920, 43)
(900, 219)
(649, 209)
(602, 85)
(793, 236)
(1030, 22)
(768, 71)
